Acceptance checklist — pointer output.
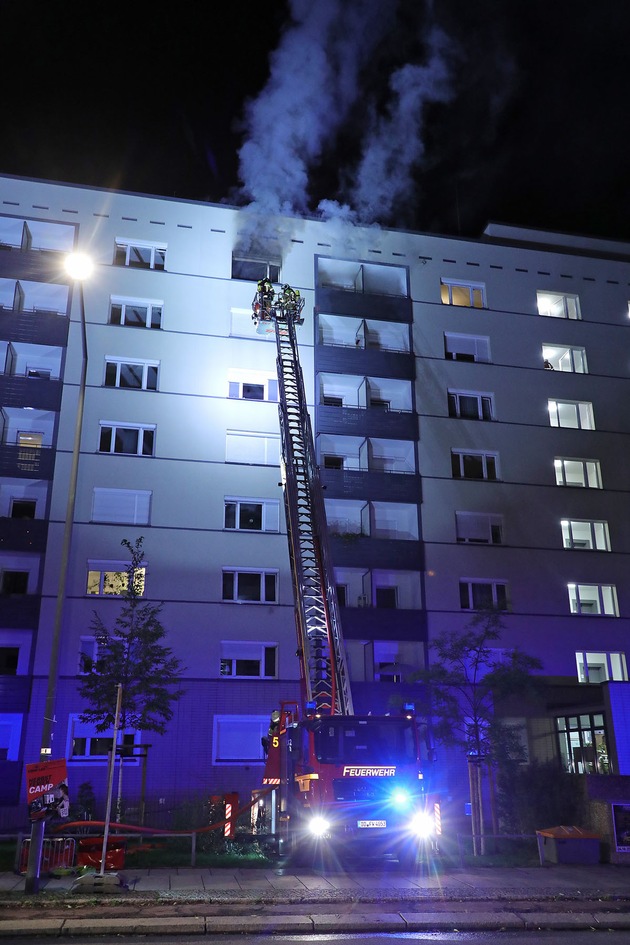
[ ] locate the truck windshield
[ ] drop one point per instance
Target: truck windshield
(365, 741)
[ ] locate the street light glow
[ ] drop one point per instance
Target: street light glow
(79, 266)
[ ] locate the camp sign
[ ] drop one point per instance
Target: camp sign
(47, 789)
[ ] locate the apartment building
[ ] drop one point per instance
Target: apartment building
(467, 401)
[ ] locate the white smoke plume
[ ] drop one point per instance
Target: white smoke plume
(337, 71)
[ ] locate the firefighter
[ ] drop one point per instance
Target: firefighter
(266, 293)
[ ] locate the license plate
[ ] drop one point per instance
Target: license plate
(371, 823)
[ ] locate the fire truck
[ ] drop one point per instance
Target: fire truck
(334, 780)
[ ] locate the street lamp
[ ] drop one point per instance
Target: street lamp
(79, 267)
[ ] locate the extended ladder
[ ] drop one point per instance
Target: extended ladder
(320, 640)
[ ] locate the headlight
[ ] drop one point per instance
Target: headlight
(318, 826)
(422, 824)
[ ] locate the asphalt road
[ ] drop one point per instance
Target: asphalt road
(585, 937)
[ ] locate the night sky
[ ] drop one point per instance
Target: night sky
(435, 116)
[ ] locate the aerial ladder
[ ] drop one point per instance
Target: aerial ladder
(324, 671)
(335, 777)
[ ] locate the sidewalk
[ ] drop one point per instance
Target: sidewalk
(211, 901)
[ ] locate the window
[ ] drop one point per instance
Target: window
(585, 473)
(562, 358)
(593, 599)
(254, 269)
(482, 595)
(386, 597)
(237, 739)
(474, 465)
(575, 415)
(257, 515)
(135, 313)
(600, 667)
(121, 506)
(558, 305)
(468, 294)
(248, 660)
(9, 656)
(23, 508)
(88, 654)
(582, 743)
(252, 385)
(13, 582)
(86, 744)
(130, 439)
(139, 255)
(468, 405)
(252, 448)
(134, 375)
(480, 528)
(591, 536)
(10, 732)
(466, 348)
(112, 578)
(250, 586)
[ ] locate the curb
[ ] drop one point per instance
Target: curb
(318, 924)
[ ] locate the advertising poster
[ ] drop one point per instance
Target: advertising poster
(621, 823)
(47, 789)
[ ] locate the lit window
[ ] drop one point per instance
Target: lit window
(112, 578)
(600, 667)
(593, 599)
(558, 305)
(139, 255)
(584, 473)
(130, 439)
(252, 385)
(466, 347)
(468, 405)
(250, 586)
(563, 358)
(469, 465)
(480, 528)
(248, 660)
(588, 535)
(252, 514)
(483, 595)
(574, 415)
(467, 294)
(135, 313)
(122, 506)
(132, 375)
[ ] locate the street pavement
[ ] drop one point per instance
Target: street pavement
(212, 901)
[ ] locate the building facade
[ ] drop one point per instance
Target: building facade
(467, 401)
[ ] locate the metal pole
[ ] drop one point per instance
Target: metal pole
(110, 779)
(31, 884)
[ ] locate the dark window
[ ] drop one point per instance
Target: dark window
(9, 660)
(23, 508)
(386, 597)
(14, 582)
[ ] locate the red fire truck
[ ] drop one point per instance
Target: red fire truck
(338, 780)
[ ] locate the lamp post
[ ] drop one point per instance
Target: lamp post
(79, 268)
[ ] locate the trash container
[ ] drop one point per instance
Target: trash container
(568, 845)
(90, 853)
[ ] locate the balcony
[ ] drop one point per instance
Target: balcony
(363, 304)
(367, 484)
(354, 551)
(367, 421)
(38, 392)
(37, 327)
(23, 534)
(26, 462)
(20, 612)
(351, 359)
